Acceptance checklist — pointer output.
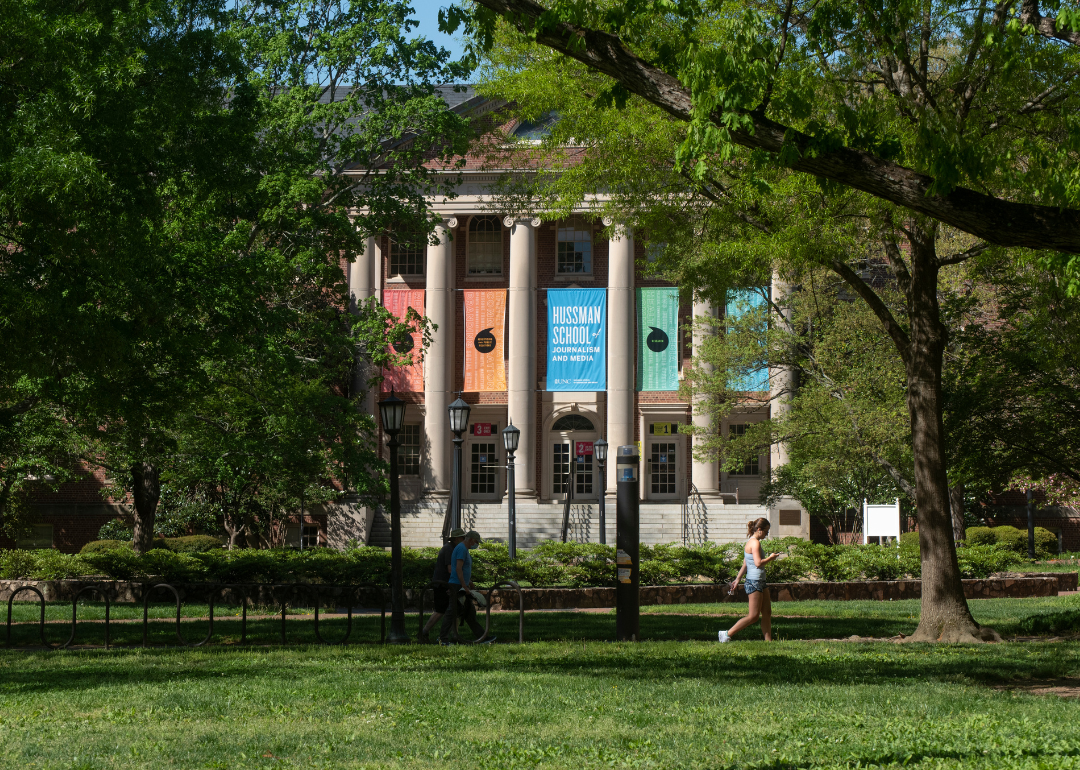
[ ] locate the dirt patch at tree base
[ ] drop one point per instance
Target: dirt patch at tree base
(1063, 687)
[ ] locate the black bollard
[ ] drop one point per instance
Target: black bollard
(627, 599)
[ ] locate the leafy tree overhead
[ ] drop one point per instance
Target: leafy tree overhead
(179, 185)
(807, 134)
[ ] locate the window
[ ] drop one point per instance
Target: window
(482, 469)
(662, 472)
(407, 252)
(311, 535)
(750, 467)
(40, 536)
(485, 246)
(409, 450)
(575, 247)
(573, 422)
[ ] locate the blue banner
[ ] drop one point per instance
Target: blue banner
(741, 302)
(577, 339)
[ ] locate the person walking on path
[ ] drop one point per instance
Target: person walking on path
(461, 604)
(441, 577)
(754, 561)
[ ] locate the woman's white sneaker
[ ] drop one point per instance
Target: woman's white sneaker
(723, 637)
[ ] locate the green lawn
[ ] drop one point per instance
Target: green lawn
(572, 704)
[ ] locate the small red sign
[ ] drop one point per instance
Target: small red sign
(584, 448)
(481, 429)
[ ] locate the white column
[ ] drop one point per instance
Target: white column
(521, 349)
(704, 474)
(440, 308)
(621, 351)
(781, 378)
(363, 281)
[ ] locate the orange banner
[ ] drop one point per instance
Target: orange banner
(405, 379)
(485, 318)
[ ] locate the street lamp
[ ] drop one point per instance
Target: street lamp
(392, 411)
(511, 437)
(459, 421)
(600, 451)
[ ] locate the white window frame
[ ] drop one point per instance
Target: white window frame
(487, 274)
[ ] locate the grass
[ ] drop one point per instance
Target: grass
(572, 704)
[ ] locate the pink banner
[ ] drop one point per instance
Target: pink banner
(405, 379)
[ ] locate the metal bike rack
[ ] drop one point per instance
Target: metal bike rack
(41, 598)
(100, 591)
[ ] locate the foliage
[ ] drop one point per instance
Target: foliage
(178, 199)
(201, 558)
(115, 529)
(43, 564)
(980, 536)
(1016, 540)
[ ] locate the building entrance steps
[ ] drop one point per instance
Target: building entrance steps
(421, 523)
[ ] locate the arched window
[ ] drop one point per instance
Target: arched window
(407, 251)
(573, 422)
(485, 246)
(575, 246)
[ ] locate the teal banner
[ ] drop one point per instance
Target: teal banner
(658, 338)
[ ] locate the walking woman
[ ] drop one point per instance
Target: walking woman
(754, 561)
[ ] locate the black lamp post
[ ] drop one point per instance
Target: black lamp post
(392, 411)
(600, 451)
(459, 421)
(511, 437)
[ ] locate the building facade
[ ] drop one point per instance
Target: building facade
(553, 326)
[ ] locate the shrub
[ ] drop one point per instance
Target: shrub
(909, 540)
(117, 529)
(980, 561)
(1010, 538)
(1051, 622)
(17, 564)
(193, 544)
(1046, 543)
(880, 562)
(101, 546)
(980, 536)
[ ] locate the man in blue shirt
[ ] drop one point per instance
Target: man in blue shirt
(460, 583)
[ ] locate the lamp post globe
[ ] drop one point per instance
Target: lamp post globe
(459, 421)
(600, 450)
(511, 437)
(392, 412)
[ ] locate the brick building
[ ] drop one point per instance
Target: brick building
(514, 271)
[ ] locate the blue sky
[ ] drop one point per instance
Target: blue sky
(427, 13)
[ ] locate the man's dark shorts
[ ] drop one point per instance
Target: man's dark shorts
(442, 598)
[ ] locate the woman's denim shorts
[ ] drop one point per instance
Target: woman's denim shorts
(754, 585)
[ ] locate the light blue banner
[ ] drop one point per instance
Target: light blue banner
(577, 339)
(739, 303)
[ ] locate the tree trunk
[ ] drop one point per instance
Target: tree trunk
(945, 615)
(956, 503)
(147, 492)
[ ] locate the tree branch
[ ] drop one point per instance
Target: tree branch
(999, 221)
(881, 310)
(1029, 14)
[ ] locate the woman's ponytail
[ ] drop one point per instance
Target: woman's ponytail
(756, 524)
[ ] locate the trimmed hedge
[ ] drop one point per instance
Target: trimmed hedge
(187, 544)
(552, 563)
(1013, 539)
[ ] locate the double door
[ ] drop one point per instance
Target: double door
(573, 466)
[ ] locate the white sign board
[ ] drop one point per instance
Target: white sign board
(881, 520)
